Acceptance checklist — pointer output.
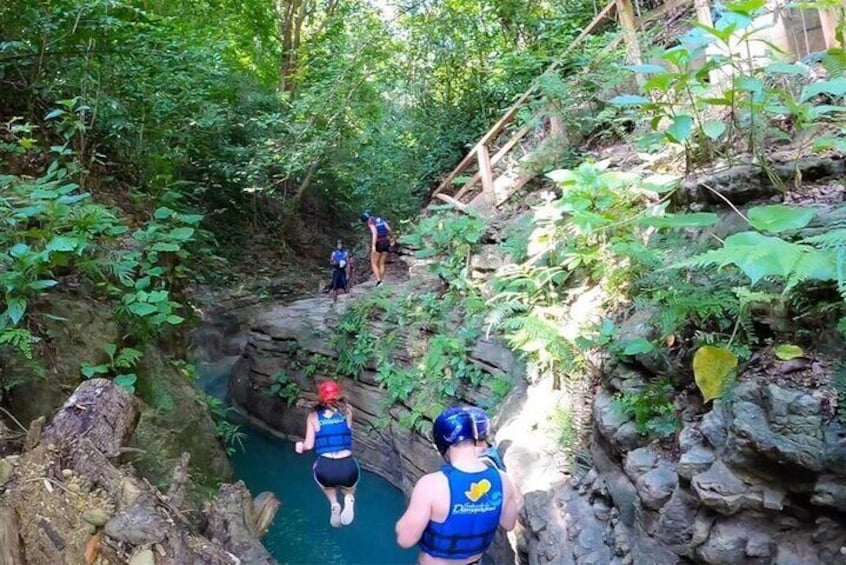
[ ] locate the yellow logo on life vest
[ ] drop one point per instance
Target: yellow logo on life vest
(478, 490)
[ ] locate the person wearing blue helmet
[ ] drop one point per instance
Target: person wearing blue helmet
(380, 244)
(454, 513)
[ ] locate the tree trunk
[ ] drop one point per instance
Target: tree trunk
(98, 411)
(233, 520)
(70, 481)
(10, 541)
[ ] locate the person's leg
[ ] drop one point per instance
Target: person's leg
(374, 264)
(352, 472)
(322, 476)
(383, 260)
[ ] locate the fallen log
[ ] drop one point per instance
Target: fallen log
(67, 497)
(234, 522)
(10, 541)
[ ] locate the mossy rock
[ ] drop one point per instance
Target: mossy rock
(176, 418)
(77, 329)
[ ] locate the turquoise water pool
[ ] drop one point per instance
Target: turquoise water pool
(301, 534)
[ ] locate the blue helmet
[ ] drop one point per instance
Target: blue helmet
(458, 424)
(365, 216)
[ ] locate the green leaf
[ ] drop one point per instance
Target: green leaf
(19, 250)
(174, 320)
(42, 284)
(637, 347)
(681, 128)
(89, 371)
(778, 217)
(835, 87)
(787, 69)
(630, 100)
(693, 220)
(142, 309)
(181, 234)
(712, 369)
(165, 247)
(786, 351)
(126, 382)
(15, 309)
(660, 183)
(646, 68)
(714, 129)
(163, 213)
(62, 244)
(561, 175)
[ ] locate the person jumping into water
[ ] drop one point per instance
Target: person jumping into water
(380, 244)
(454, 513)
(341, 264)
(329, 432)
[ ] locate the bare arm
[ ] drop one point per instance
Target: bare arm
(412, 524)
(513, 504)
(372, 236)
(308, 443)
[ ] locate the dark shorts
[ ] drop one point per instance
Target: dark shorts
(339, 279)
(330, 473)
(383, 245)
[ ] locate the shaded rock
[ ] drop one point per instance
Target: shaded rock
(657, 485)
(143, 557)
(640, 461)
(713, 426)
(720, 489)
(726, 544)
(138, 525)
(96, 517)
(624, 494)
(696, 460)
(6, 470)
(830, 491)
(781, 425)
(676, 521)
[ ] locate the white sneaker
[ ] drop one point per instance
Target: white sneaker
(335, 516)
(348, 514)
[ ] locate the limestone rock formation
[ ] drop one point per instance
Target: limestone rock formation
(281, 338)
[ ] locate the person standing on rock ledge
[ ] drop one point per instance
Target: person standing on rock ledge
(454, 513)
(329, 432)
(380, 244)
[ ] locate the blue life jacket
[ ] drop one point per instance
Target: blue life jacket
(338, 256)
(475, 506)
(334, 433)
(381, 227)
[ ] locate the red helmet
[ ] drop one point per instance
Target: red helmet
(329, 391)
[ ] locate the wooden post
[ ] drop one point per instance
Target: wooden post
(828, 21)
(627, 21)
(10, 541)
(703, 12)
(486, 172)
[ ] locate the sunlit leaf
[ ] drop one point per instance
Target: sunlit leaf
(712, 369)
(786, 351)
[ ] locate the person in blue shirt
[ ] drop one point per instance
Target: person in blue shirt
(454, 513)
(329, 432)
(380, 244)
(341, 262)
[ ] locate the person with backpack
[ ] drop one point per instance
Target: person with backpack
(380, 244)
(329, 433)
(341, 265)
(454, 513)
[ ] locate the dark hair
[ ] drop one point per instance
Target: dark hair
(341, 405)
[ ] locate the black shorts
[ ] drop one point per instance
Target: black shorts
(339, 279)
(330, 473)
(383, 245)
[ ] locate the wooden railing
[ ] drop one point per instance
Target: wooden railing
(497, 189)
